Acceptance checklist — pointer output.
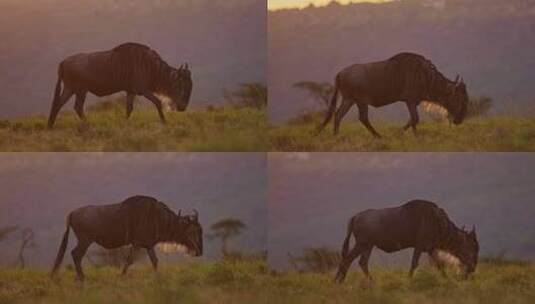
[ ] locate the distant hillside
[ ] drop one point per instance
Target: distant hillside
(224, 42)
(489, 42)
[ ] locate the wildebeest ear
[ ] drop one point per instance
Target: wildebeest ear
(195, 215)
(181, 67)
(187, 67)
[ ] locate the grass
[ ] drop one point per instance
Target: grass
(226, 128)
(505, 133)
(222, 282)
(252, 282)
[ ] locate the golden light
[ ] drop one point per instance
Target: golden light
(279, 4)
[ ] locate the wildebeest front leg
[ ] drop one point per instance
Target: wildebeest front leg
(363, 117)
(341, 112)
(79, 104)
(414, 119)
(57, 104)
(415, 259)
(157, 102)
(77, 254)
(346, 262)
(437, 262)
(129, 104)
(129, 259)
(153, 258)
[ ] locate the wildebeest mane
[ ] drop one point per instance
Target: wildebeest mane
(155, 218)
(417, 77)
(443, 231)
(131, 60)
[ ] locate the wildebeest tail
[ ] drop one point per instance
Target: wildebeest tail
(62, 247)
(332, 107)
(345, 247)
(57, 93)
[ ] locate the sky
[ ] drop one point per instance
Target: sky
(45, 187)
(311, 197)
(279, 4)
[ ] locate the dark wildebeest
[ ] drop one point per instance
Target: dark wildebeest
(418, 224)
(406, 77)
(139, 221)
(133, 68)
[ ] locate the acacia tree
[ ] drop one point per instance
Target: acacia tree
(226, 229)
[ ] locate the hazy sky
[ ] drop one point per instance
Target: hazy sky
(40, 189)
(278, 4)
(311, 197)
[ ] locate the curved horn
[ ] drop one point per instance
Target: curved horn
(180, 210)
(181, 67)
(457, 79)
(473, 229)
(187, 67)
(195, 214)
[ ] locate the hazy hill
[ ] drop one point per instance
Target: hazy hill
(224, 42)
(489, 42)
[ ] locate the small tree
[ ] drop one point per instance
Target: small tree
(27, 241)
(252, 95)
(226, 229)
(321, 92)
(316, 259)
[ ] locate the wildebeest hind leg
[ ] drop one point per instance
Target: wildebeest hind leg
(79, 105)
(129, 104)
(415, 259)
(341, 112)
(414, 119)
(363, 117)
(363, 262)
(158, 103)
(77, 254)
(57, 104)
(129, 259)
(153, 258)
(346, 262)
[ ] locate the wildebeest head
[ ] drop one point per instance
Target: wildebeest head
(457, 101)
(188, 232)
(180, 91)
(468, 250)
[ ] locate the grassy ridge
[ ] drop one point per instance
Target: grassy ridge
(504, 133)
(212, 129)
(251, 282)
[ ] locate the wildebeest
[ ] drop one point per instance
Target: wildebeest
(406, 77)
(130, 67)
(139, 221)
(417, 224)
